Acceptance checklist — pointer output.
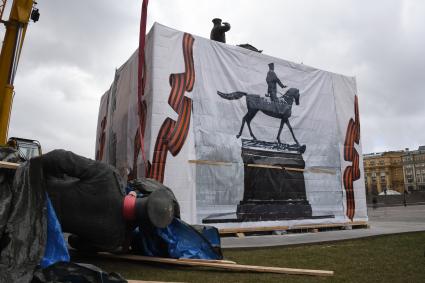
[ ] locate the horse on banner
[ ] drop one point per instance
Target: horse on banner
(280, 110)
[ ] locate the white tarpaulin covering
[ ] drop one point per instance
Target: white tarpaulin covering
(197, 95)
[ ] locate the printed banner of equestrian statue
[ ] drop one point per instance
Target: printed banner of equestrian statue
(243, 139)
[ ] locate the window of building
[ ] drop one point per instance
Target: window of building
(407, 158)
(409, 176)
(383, 180)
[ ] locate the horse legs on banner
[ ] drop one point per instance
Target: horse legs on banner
(282, 122)
(292, 132)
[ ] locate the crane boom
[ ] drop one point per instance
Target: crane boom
(16, 27)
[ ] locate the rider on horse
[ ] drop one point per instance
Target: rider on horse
(272, 80)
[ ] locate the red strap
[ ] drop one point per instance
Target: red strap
(141, 72)
(129, 207)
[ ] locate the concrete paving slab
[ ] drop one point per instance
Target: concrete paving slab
(382, 221)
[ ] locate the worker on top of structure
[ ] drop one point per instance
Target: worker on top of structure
(218, 31)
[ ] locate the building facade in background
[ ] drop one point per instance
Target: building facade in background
(414, 169)
(395, 170)
(384, 172)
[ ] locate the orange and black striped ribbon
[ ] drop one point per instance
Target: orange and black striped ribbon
(352, 173)
(172, 134)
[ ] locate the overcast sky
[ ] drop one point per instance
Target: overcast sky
(70, 55)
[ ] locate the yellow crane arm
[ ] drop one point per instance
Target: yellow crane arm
(16, 27)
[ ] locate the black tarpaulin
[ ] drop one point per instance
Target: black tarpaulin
(22, 222)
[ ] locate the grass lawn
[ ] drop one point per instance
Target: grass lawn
(394, 258)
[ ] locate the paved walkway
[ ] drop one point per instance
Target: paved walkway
(382, 221)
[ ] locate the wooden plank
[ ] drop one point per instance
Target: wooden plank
(265, 166)
(210, 162)
(141, 281)
(223, 163)
(208, 260)
(240, 235)
(294, 169)
(233, 267)
(252, 229)
(9, 165)
(322, 170)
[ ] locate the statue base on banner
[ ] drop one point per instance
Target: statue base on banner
(253, 210)
(274, 187)
(274, 182)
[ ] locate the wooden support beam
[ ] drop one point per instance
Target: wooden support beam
(223, 163)
(207, 260)
(9, 165)
(324, 170)
(142, 281)
(211, 162)
(232, 267)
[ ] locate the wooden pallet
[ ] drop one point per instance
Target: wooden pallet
(323, 227)
(241, 232)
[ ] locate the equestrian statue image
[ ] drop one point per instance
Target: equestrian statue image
(270, 194)
(280, 108)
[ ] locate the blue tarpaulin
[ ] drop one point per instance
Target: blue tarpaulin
(56, 249)
(178, 240)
